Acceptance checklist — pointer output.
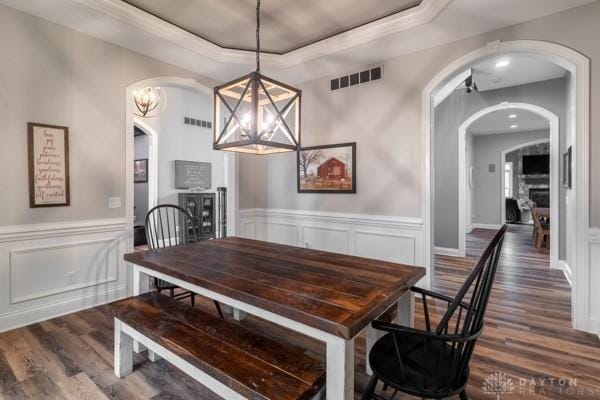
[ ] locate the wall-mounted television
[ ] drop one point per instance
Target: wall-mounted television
(536, 165)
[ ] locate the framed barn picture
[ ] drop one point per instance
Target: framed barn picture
(327, 169)
(48, 147)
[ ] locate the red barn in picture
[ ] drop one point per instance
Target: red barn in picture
(332, 169)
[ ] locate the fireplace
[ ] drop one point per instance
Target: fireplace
(541, 197)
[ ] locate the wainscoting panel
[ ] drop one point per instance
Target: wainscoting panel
(61, 268)
(594, 322)
(326, 238)
(385, 238)
(385, 246)
(52, 269)
(280, 232)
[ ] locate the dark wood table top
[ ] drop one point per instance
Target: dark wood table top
(335, 293)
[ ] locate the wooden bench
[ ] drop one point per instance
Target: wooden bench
(232, 361)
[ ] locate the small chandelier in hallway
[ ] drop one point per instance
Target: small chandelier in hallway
(256, 114)
(148, 100)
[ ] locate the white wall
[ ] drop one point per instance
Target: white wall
(179, 141)
(60, 259)
(488, 192)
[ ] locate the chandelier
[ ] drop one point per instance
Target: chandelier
(148, 100)
(256, 114)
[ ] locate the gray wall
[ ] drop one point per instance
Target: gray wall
(449, 115)
(385, 119)
(487, 188)
(51, 74)
(140, 189)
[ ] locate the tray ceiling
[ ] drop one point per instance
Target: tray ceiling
(286, 25)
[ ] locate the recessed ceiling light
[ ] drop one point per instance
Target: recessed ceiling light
(512, 116)
(514, 126)
(502, 63)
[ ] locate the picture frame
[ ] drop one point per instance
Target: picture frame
(48, 158)
(567, 171)
(140, 170)
(327, 169)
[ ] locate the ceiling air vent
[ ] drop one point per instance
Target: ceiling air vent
(197, 122)
(357, 78)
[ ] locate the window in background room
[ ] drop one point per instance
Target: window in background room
(508, 179)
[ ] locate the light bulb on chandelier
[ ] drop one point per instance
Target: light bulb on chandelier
(149, 101)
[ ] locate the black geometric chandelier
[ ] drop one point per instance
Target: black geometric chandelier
(256, 114)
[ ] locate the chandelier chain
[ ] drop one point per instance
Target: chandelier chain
(257, 35)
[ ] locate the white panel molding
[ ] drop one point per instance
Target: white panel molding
(388, 238)
(14, 265)
(594, 318)
(445, 251)
(280, 232)
(15, 233)
(92, 250)
(327, 235)
(400, 247)
(382, 221)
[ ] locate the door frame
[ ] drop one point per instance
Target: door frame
(152, 162)
(554, 171)
(579, 131)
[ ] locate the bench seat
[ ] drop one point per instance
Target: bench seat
(250, 364)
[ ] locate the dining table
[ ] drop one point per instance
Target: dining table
(327, 296)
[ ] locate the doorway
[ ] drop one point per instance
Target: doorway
(183, 148)
(577, 127)
(488, 122)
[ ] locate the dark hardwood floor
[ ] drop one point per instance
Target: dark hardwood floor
(527, 339)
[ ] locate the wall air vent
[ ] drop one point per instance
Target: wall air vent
(357, 78)
(197, 122)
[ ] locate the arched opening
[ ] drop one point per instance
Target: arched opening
(553, 122)
(577, 126)
(228, 161)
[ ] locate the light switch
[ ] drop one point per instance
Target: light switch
(114, 202)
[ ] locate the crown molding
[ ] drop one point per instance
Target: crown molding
(424, 13)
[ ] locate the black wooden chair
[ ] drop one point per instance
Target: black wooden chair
(435, 363)
(170, 225)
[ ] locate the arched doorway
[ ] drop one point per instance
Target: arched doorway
(577, 128)
(230, 159)
(554, 170)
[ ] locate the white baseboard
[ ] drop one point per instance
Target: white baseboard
(445, 251)
(594, 276)
(566, 269)
(54, 310)
(486, 226)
